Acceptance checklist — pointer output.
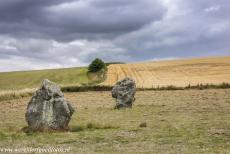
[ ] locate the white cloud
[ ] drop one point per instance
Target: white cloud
(42, 54)
(212, 9)
(16, 63)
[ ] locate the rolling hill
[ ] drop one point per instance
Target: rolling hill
(32, 79)
(180, 73)
(146, 74)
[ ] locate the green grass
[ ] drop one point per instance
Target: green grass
(32, 79)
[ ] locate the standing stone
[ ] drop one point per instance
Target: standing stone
(124, 92)
(48, 110)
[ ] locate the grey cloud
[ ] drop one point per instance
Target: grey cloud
(57, 33)
(72, 19)
(185, 32)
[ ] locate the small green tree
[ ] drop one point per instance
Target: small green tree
(96, 65)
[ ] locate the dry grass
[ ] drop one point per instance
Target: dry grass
(13, 94)
(178, 73)
(188, 121)
(16, 94)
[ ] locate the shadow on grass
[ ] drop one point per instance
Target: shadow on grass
(91, 126)
(75, 128)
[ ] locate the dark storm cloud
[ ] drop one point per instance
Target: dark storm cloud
(19, 10)
(76, 19)
(37, 34)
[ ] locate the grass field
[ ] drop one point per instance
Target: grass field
(183, 121)
(32, 79)
(174, 72)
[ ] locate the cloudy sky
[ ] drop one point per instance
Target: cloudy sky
(38, 34)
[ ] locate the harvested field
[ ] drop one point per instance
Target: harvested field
(179, 73)
(183, 121)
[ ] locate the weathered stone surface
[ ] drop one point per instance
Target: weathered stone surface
(124, 92)
(48, 109)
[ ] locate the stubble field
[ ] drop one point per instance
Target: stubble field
(183, 121)
(178, 73)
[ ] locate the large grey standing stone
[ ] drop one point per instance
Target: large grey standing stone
(48, 109)
(124, 92)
